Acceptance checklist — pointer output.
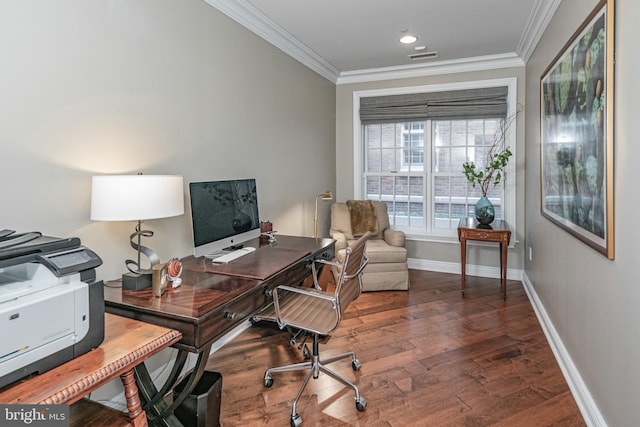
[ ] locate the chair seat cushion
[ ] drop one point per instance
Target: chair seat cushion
(304, 312)
(380, 252)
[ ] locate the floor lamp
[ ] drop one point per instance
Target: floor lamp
(325, 197)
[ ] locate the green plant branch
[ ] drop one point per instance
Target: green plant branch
(496, 160)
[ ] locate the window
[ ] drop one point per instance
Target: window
(415, 166)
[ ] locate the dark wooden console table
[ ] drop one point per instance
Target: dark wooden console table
(212, 300)
(498, 231)
(127, 343)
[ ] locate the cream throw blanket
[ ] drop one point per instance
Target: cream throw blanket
(363, 217)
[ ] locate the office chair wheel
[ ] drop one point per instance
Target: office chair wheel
(296, 421)
(355, 365)
(268, 382)
(361, 403)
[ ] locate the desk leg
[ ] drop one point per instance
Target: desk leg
(148, 392)
(463, 261)
(159, 413)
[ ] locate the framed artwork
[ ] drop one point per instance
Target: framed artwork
(576, 120)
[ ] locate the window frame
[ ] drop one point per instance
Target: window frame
(510, 208)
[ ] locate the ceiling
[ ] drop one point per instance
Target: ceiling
(348, 38)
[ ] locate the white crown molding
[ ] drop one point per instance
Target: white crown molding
(248, 16)
(538, 21)
(251, 18)
(478, 63)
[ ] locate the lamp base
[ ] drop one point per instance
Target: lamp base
(136, 281)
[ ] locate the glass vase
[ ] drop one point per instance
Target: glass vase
(485, 212)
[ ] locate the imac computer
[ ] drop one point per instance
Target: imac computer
(224, 214)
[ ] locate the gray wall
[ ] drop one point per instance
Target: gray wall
(592, 301)
(160, 87)
(445, 253)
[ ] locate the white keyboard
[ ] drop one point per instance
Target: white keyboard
(234, 255)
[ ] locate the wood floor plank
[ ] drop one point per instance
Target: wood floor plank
(429, 358)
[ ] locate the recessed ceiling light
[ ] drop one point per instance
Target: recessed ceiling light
(408, 39)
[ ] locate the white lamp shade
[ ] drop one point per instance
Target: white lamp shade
(136, 197)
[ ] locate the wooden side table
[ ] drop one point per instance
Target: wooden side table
(498, 232)
(127, 343)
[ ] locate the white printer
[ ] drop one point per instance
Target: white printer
(51, 306)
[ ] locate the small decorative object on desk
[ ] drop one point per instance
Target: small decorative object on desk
(269, 238)
(158, 279)
(266, 232)
(174, 270)
(266, 226)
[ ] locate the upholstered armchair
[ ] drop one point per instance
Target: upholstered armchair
(387, 268)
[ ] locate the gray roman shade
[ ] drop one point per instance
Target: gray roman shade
(457, 104)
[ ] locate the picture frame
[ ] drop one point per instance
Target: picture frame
(576, 133)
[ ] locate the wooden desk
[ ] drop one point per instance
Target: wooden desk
(499, 232)
(126, 344)
(206, 307)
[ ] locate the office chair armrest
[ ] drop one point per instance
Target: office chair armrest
(314, 271)
(365, 261)
(305, 291)
(324, 261)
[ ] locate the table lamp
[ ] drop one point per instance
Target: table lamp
(137, 198)
(325, 197)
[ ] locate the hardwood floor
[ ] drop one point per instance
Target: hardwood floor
(429, 358)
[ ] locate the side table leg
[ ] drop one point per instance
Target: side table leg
(503, 269)
(463, 262)
(137, 416)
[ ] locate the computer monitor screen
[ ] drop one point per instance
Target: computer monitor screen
(223, 214)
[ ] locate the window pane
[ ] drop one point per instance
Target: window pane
(373, 134)
(442, 133)
(372, 189)
(389, 160)
(386, 188)
(416, 214)
(401, 186)
(413, 146)
(389, 137)
(441, 159)
(374, 161)
(459, 132)
(458, 157)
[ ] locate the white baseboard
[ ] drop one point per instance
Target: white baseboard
(454, 268)
(581, 394)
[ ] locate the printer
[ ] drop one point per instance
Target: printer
(51, 306)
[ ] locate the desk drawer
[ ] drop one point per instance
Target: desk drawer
(327, 254)
(232, 314)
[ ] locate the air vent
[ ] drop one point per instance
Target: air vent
(424, 55)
